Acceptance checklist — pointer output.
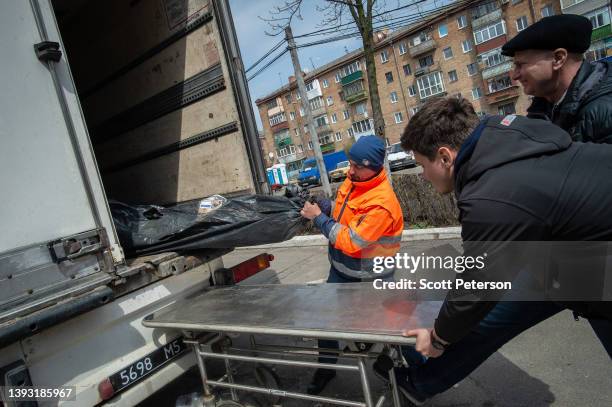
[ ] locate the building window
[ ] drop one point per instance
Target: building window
(384, 57)
(362, 126)
(466, 46)
(461, 22)
(316, 103)
(297, 96)
(300, 149)
(430, 85)
(334, 118)
(547, 11)
(393, 96)
(295, 131)
(483, 9)
(448, 52)
(398, 117)
(309, 86)
(499, 83)
(402, 48)
(389, 77)
(411, 91)
(492, 58)
(349, 69)
(521, 23)
(325, 83)
(351, 132)
(321, 120)
(337, 78)
(272, 104)
(414, 110)
(301, 112)
(407, 70)
(599, 17)
(292, 115)
(353, 89)
(426, 61)
(476, 93)
(490, 32)
(310, 145)
(277, 118)
(346, 114)
(338, 136)
(506, 109)
(452, 76)
(421, 37)
(288, 97)
(330, 101)
(472, 69)
(442, 30)
(361, 108)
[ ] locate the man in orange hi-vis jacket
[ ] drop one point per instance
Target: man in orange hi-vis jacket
(366, 222)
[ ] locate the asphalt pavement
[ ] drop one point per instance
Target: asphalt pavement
(559, 362)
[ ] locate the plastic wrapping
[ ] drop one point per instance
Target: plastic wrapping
(211, 223)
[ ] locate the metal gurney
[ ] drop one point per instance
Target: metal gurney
(356, 314)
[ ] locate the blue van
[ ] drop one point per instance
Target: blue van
(309, 174)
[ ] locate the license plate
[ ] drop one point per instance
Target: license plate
(147, 364)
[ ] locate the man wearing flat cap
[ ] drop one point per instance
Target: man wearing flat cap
(365, 222)
(573, 93)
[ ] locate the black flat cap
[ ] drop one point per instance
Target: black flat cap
(569, 31)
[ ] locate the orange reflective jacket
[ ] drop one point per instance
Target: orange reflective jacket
(370, 224)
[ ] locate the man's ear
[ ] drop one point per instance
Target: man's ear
(447, 156)
(559, 58)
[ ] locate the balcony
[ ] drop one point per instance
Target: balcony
(487, 19)
(275, 110)
(601, 33)
(425, 70)
(315, 91)
(496, 70)
(323, 128)
(281, 142)
(422, 48)
(318, 111)
(280, 126)
(502, 95)
(348, 79)
(356, 97)
(328, 148)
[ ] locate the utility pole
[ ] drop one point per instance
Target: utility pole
(308, 113)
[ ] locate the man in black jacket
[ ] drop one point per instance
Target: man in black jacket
(516, 180)
(571, 92)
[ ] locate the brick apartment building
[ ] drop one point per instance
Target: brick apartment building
(456, 52)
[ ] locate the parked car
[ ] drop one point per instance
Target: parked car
(340, 172)
(398, 158)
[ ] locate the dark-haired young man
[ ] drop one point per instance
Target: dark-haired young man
(515, 179)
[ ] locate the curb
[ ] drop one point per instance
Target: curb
(407, 236)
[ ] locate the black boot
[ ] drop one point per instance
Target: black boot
(320, 380)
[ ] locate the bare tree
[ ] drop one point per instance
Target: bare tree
(363, 13)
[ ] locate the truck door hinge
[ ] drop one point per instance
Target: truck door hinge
(48, 51)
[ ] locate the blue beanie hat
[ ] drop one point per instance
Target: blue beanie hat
(368, 151)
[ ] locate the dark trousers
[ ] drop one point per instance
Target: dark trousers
(504, 322)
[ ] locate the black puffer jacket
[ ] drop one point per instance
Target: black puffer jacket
(521, 185)
(586, 110)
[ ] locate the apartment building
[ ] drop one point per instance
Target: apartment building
(598, 11)
(457, 52)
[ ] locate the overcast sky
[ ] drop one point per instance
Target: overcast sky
(254, 43)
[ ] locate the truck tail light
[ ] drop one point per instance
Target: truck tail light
(251, 267)
(105, 389)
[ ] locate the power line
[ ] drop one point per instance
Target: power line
(268, 64)
(274, 48)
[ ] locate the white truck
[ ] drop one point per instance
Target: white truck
(142, 101)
